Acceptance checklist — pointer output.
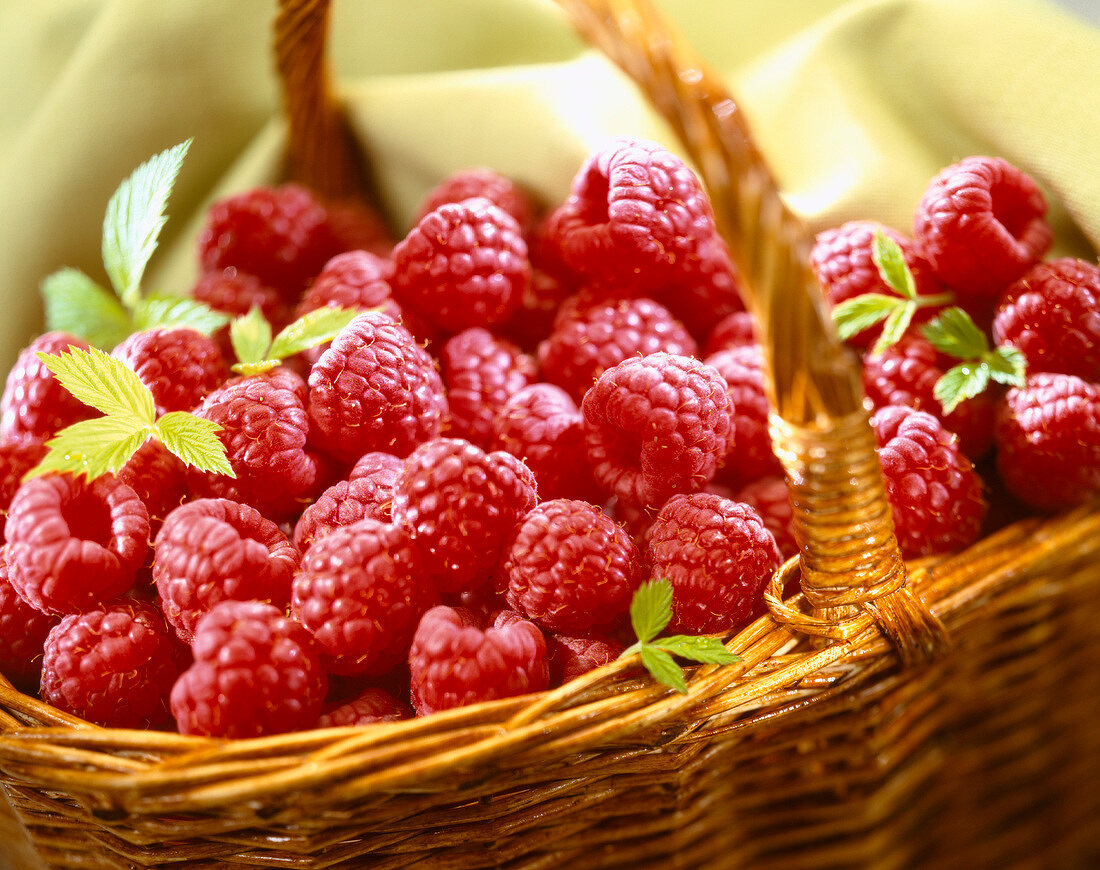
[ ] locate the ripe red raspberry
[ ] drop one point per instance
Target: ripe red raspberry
(487, 184)
(636, 212)
(158, 477)
(1052, 314)
(256, 672)
(113, 666)
(571, 568)
(750, 454)
(279, 234)
(353, 279)
(75, 544)
(534, 318)
(361, 593)
(210, 550)
(16, 459)
(733, 330)
(981, 223)
(657, 425)
(585, 344)
(464, 264)
(1048, 441)
(373, 705)
(480, 373)
(375, 388)
(569, 657)
(541, 425)
(34, 405)
(771, 498)
(23, 631)
(718, 555)
(454, 662)
(234, 292)
(936, 495)
(843, 262)
(357, 226)
(366, 494)
(705, 288)
(461, 506)
(906, 374)
(179, 366)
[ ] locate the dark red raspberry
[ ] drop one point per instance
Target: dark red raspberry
(375, 388)
(23, 631)
(464, 264)
(532, 321)
(279, 234)
(113, 666)
(158, 477)
(706, 287)
(480, 373)
(541, 425)
(1048, 441)
(75, 544)
(981, 223)
(569, 657)
(571, 568)
(733, 330)
(16, 459)
(179, 366)
(367, 494)
(718, 555)
(34, 405)
(636, 212)
(936, 495)
(256, 672)
(357, 226)
(461, 506)
(353, 279)
(843, 262)
(487, 184)
(361, 593)
(454, 662)
(596, 337)
(373, 705)
(1052, 314)
(657, 425)
(906, 374)
(235, 293)
(750, 455)
(211, 550)
(771, 498)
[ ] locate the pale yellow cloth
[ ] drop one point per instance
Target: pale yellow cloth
(855, 102)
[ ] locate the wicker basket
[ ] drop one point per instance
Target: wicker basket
(941, 714)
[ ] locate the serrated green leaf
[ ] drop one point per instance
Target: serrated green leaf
(250, 335)
(895, 326)
(953, 332)
(854, 315)
(663, 668)
(708, 650)
(890, 261)
(1007, 365)
(76, 304)
(194, 440)
(94, 447)
(99, 380)
(164, 311)
(651, 609)
(313, 328)
(960, 383)
(255, 368)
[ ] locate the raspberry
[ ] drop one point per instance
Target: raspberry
(569, 657)
(75, 544)
(595, 338)
(211, 550)
(981, 223)
(657, 425)
(480, 373)
(360, 593)
(113, 666)
(464, 264)
(906, 374)
(842, 261)
(717, 554)
(934, 492)
(1052, 314)
(381, 468)
(750, 455)
(357, 226)
(733, 330)
(487, 184)
(704, 289)
(367, 494)
(16, 459)
(373, 705)
(23, 631)
(571, 568)
(354, 279)
(543, 426)
(453, 662)
(533, 319)
(158, 477)
(1048, 440)
(461, 506)
(34, 405)
(375, 388)
(771, 498)
(256, 672)
(234, 292)
(179, 366)
(636, 212)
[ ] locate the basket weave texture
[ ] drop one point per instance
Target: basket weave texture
(940, 714)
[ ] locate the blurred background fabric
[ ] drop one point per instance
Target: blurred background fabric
(856, 103)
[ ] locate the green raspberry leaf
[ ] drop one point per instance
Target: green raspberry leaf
(250, 335)
(663, 669)
(166, 311)
(707, 650)
(93, 447)
(895, 326)
(890, 261)
(103, 382)
(953, 332)
(651, 609)
(960, 383)
(76, 304)
(854, 315)
(134, 218)
(1007, 365)
(195, 441)
(313, 328)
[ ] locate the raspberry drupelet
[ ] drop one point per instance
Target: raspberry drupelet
(34, 406)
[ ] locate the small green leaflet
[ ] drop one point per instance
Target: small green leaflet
(250, 335)
(153, 311)
(258, 352)
(650, 613)
(890, 261)
(102, 382)
(75, 304)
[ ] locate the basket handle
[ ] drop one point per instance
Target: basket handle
(851, 569)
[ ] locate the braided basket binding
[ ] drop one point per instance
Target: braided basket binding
(933, 715)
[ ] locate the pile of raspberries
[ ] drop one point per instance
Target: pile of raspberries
(537, 409)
